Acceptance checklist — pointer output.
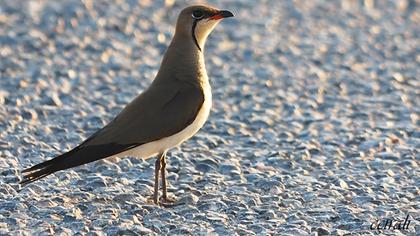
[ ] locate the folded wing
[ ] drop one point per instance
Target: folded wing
(159, 112)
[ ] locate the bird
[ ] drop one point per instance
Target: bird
(170, 111)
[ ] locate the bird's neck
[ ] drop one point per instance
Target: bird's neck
(183, 61)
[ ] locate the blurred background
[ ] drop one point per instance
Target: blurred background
(315, 126)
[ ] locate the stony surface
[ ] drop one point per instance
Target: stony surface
(315, 127)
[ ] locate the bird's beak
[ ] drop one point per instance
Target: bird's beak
(221, 14)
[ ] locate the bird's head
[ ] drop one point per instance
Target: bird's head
(198, 21)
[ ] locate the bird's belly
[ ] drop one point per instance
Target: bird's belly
(149, 149)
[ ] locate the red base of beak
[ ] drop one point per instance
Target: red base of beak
(221, 15)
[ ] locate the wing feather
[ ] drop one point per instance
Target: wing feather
(159, 112)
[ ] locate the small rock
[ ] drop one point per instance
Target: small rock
(322, 231)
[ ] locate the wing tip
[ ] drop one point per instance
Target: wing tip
(27, 179)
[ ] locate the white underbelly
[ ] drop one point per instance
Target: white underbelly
(149, 149)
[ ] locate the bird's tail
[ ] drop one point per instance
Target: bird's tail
(76, 157)
(46, 168)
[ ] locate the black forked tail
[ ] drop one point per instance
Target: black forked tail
(76, 157)
(44, 169)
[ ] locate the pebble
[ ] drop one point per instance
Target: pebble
(322, 231)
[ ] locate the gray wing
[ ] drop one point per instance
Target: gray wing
(159, 112)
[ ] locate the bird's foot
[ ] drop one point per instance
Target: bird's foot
(152, 201)
(164, 202)
(169, 202)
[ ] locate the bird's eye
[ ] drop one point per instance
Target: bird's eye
(197, 14)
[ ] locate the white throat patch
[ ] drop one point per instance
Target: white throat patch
(203, 29)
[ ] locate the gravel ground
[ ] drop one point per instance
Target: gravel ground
(315, 127)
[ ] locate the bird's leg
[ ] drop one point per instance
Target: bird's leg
(163, 174)
(157, 170)
(160, 168)
(169, 201)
